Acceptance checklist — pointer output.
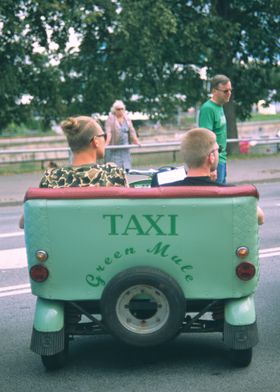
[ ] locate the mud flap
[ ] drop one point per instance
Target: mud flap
(48, 336)
(240, 328)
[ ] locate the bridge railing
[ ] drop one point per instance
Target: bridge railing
(10, 156)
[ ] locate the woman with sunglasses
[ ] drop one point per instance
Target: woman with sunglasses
(86, 140)
(120, 131)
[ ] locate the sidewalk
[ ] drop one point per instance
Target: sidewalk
(254, 171)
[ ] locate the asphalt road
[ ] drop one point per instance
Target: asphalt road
(195, 363)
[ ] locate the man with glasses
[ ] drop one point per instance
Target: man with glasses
(200, 152)
(212, 116)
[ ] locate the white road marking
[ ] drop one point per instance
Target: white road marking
(269, 252)
(15, 292)
(13, 258)
(19, 286)
(15, 234)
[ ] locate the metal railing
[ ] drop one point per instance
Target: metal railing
(63, 153)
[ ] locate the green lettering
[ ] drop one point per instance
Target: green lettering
(95, 281)
(133, 224)
(153, 224)
(130, 251)
(100, 268)
(158, 248)
(186, 267)
(173, 224)
(188, 278)
(108, 260)
(113, 223)
(117, 255)
(176, 259)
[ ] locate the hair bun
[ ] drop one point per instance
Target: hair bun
(70, 126)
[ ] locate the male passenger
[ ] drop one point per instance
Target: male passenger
(200, 153)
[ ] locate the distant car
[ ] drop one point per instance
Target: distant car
(143, 265)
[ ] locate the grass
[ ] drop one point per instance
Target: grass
(20, 168)
(264, 117)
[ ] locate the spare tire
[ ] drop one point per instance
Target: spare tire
(143, 306)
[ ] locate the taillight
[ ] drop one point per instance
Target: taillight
(242, 252)
(245, 270)
(41, 255)
(39, 273)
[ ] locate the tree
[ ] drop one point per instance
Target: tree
(148, 53)
(154, 50)
(243, 40)
(25, 55)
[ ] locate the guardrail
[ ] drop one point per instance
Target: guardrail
(63, 153)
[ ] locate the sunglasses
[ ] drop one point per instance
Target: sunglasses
(225, 91)
(119, 108)
(101, 135)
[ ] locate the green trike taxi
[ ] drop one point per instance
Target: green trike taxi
(142, 264)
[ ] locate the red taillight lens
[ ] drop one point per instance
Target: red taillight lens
(39, 273)
(245, 271)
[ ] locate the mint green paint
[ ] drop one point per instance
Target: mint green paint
(49, 315)
(240, 311)
(193, 240)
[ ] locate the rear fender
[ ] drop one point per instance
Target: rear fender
(48, 337)
(49, 315)
(240, 311)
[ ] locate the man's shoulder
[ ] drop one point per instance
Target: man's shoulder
(210, 105)
(192, 181)
(206, 104)
(196, 181)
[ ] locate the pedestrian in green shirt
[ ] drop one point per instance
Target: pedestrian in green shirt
(212, 116)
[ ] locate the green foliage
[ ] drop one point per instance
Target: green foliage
(148, 53)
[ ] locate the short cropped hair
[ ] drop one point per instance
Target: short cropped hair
(196, 145)
(218, 79)
(80, 131)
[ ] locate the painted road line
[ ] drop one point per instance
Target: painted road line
(13, 258)
(15, 234)
(17, 287)
(269, 252)
(272, 254)
(14, 292)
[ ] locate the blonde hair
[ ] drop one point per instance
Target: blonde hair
(116, 104)
(196, 145)
(79, 131)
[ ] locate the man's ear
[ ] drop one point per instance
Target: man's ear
(211, 158)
